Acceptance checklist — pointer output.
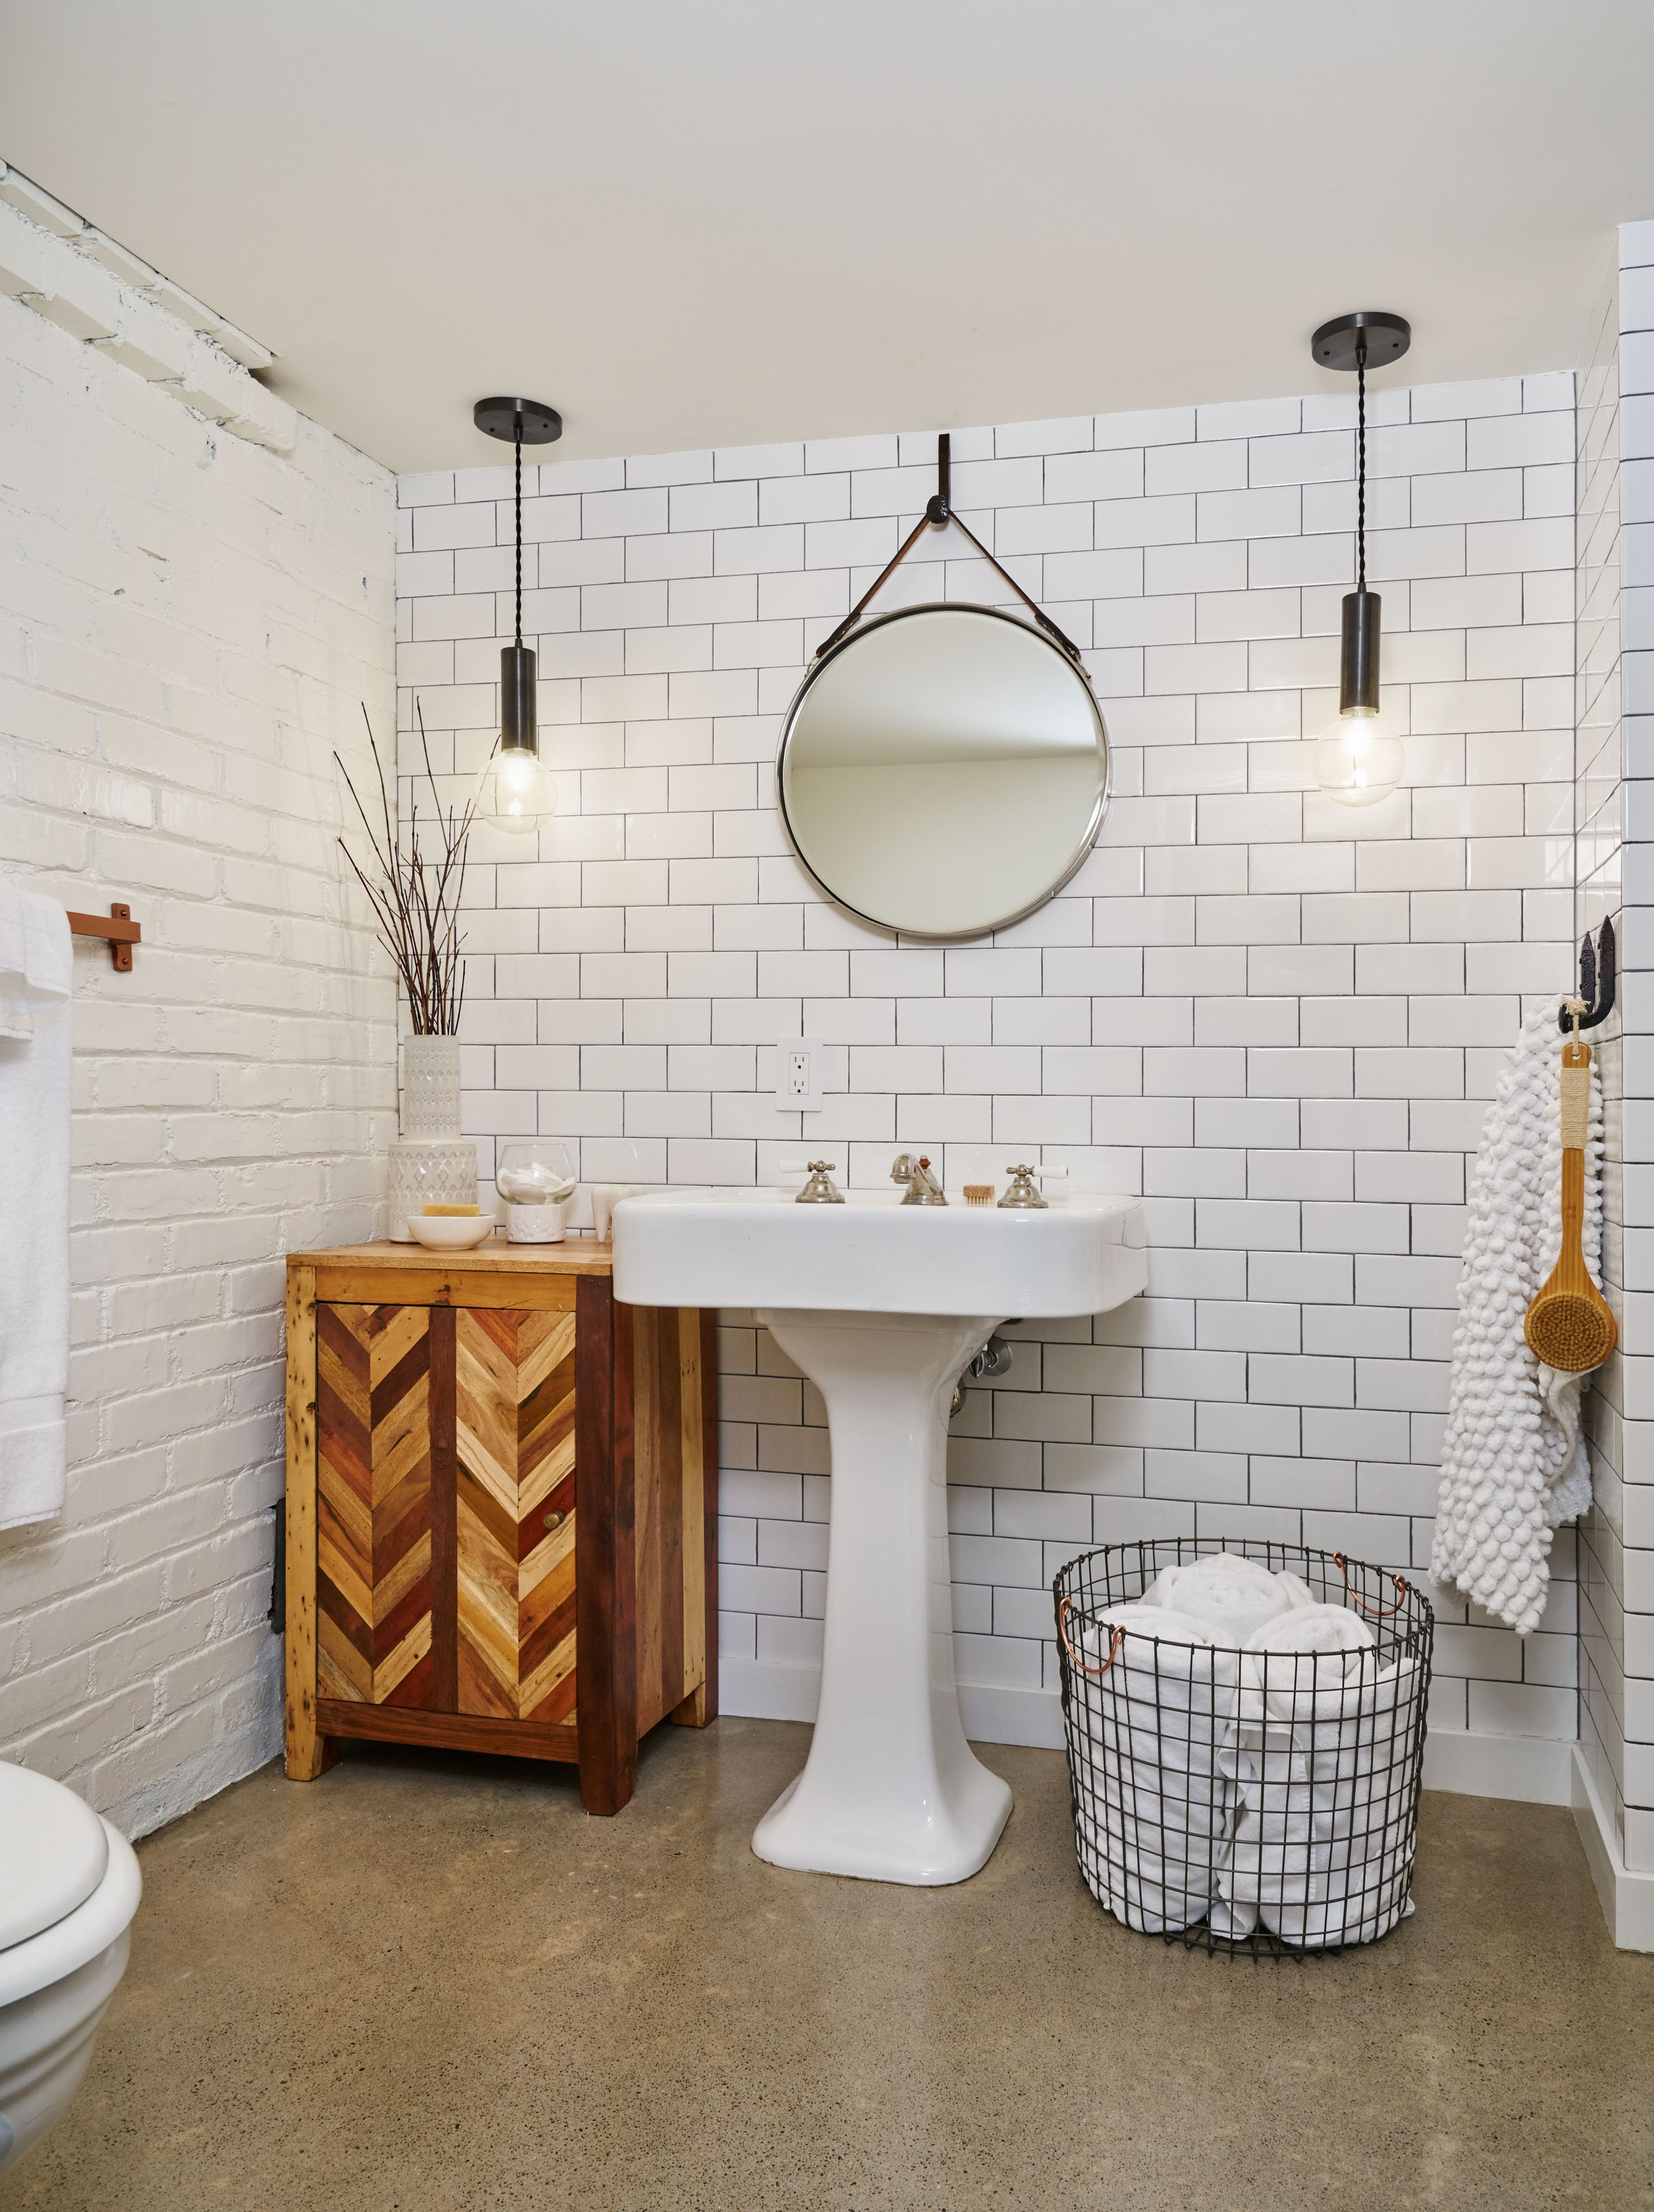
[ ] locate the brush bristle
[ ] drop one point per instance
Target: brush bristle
(1569, 1332)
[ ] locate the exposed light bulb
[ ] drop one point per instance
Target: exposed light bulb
(1360, 761)
(517, 791)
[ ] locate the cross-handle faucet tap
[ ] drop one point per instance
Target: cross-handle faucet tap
(923, 1189)
(821, 1189)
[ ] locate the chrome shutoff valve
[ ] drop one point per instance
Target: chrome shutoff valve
(1022, 1194)
(821, 1189)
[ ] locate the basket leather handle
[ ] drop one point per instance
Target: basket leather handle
(1115, 1642)
(1368, 1605)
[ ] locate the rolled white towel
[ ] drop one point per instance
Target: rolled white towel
(1232, 1594)
(1152, 1808)
(1320, 1748)
(1313, 1628)
(1139, 1617)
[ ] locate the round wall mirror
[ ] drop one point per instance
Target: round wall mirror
(944, 770)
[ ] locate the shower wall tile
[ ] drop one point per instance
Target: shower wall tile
(1279, 1023)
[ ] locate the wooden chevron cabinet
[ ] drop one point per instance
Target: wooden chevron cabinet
(501, 1508)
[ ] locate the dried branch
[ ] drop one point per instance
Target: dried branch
(416, 904)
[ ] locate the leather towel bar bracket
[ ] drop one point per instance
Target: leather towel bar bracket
(119, 931)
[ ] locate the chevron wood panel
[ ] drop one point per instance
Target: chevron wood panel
(515, 1513)
(373, 1503)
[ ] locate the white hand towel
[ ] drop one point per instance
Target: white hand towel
(1320, 1748)
(1152, 1808)
(1232, 1594)
(35, 972)
(35, 956)
(1514, 1465)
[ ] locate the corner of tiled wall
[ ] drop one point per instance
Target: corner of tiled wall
(1614, 781)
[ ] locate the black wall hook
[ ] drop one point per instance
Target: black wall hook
(1596, 974)
(940, 505)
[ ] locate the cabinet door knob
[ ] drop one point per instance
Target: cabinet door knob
(553, 1521)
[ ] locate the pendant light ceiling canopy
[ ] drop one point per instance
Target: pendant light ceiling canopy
(518, 793)
(1363, 761)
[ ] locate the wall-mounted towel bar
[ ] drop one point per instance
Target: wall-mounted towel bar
(1596, 970)
(120, 930)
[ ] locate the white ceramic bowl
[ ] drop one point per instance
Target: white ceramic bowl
(451, 1232)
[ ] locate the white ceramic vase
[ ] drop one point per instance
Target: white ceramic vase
(430, 1088)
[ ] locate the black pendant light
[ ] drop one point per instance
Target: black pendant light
(517, 789)
(1363, 761)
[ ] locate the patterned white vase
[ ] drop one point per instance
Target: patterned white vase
(430, 1087)
(433, 1165)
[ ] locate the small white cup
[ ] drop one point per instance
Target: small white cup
(534, 1225)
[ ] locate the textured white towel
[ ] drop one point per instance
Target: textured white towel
(1514, 1466)
(1230, 1593)
(35, 958)
(35, 971)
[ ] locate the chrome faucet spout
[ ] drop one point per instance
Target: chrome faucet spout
(923, 1189)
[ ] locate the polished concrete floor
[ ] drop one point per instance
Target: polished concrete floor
(429, 1982)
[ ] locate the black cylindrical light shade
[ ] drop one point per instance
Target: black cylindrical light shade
(519, 716)
(1358, 669)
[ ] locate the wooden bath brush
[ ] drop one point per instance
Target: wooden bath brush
(1570, 1326)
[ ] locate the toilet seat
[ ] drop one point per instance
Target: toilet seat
(68, 1883)
(53, 1853)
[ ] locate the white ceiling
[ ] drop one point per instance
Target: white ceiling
(688, 222)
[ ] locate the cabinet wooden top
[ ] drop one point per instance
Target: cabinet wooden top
(578, 1255)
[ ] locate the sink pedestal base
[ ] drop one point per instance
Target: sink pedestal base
(892, 1790)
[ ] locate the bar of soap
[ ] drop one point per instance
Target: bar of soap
(465, 1212)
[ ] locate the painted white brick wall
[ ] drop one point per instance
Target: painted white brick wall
(188, 626)
(1276, 1020)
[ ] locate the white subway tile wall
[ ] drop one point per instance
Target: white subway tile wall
(1277, 1019)
(188, 627)
(1615, 761)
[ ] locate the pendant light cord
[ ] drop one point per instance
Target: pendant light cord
(1361, 468)
(517, 442)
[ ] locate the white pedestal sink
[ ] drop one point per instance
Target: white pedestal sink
(881, 1304)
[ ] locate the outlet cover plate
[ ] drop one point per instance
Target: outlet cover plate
(798, 1074)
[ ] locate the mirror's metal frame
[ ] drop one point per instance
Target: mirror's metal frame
(865, 627)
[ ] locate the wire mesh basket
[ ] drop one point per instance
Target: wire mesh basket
(1253, 1803)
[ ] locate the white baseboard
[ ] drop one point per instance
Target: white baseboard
(998, 1715)
(1531, 1770)
(1628, 1898)
(992, 1715)
(755, 1692)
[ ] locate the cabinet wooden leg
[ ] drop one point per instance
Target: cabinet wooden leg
(607, 1785)
(698, 1708)
(605, 1587)
(309, 1755)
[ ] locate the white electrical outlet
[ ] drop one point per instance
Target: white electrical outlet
(798, 1074)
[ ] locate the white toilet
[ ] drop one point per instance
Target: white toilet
(69, 1886)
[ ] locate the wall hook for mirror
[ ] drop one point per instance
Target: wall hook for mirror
(1598, 963)
(939, 512)
(939, 506)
